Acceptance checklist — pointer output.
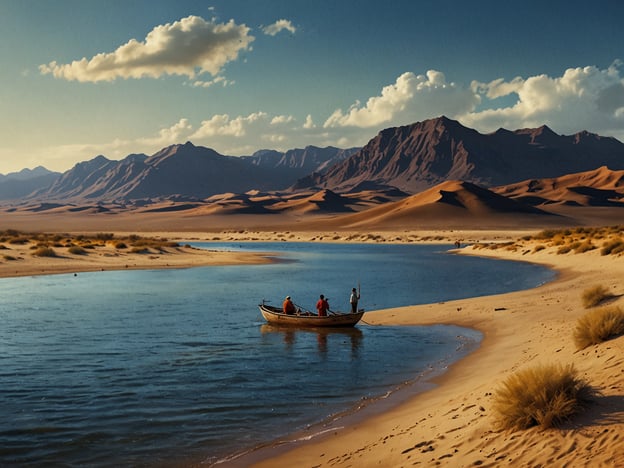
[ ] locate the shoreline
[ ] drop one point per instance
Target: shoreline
(362, 411)
(451, 424)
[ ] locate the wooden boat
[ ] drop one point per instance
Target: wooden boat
(276, 316)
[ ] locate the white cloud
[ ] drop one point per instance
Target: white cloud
(309, 123)
(187, 47)
(583, 98)
(282, 119)
(278, 26)
(207, 84)
(411, 98)
(177, 133)
(223, 125)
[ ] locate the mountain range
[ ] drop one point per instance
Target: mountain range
(436, 165)
(182, 171)
(418, 156)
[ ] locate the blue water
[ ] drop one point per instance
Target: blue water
(150, 368)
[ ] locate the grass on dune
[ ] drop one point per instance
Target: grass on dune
(598, 325)
(545, 396)
(594, 295)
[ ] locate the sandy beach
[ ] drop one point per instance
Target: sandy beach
(452, 424)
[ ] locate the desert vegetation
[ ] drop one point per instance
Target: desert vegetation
(44, 252)
(594, 295)
(609, 239)
(545, 396)
(598, 325)
(44, 244)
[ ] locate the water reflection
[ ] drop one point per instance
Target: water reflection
(289, 336)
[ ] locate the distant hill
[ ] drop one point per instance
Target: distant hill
(187, 171)
(303, 161)
(409, 160)
(17, 185)
(418, 156)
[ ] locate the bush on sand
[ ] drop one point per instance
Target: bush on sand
(593, 296)
(598, 325)
(44, 252)
(545, 396)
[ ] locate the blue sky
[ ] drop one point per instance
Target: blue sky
(84, 77)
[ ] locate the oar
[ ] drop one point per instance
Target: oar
(302, 309)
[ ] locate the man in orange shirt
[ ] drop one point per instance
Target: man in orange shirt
(288, 306)
(322, 306)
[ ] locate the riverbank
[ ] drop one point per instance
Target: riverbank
(28, 254)
(453, 424)
(20, 253)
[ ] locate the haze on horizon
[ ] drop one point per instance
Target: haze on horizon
(114, 78)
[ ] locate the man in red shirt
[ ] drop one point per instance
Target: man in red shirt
(322, 306)
(288, 306)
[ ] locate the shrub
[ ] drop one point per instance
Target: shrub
(598, 325)
(585, 247)
(44, 252)
(121, 245)
(564, 249)
(9, 258)
(546, 234)
(104, 236)
(612, 247)
(539, 247)
(542, 396)
(593, 296)
(19, 240)
(139, 250)
(77, 250)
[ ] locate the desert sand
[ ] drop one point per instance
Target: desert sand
(451, 424)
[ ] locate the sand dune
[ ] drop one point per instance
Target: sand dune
(323, 201)
(452, 203)
(600, 187)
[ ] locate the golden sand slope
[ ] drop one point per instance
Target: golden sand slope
(453, 424)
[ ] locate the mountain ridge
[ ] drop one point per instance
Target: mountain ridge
(417, 156)
(410, 158)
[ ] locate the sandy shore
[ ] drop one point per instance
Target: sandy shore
(21, 260)
(453, 425)
(17, 259)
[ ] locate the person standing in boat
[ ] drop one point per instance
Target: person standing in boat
(322, 306)
(288, 306)
(353, 300)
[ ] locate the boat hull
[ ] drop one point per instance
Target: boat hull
(275, 316)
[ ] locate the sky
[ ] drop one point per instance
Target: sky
(80, 78)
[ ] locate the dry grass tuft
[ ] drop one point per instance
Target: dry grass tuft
(612, 247)
(44, 252)
(593, 296)
(77, 250)
(598, 325)
(582, 239)
(543, 396)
